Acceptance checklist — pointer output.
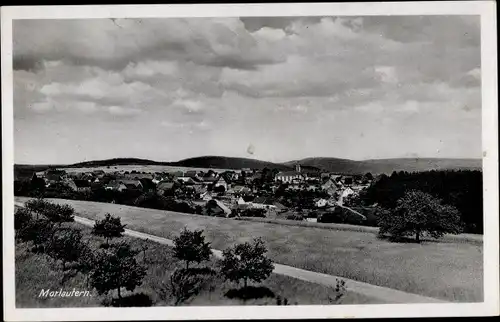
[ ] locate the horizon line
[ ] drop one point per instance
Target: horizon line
(222, 156)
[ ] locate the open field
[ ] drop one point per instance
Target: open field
(462, 238)
(449, 271)
(35, 272)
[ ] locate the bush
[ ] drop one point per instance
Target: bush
(246, 261)
(190, 246)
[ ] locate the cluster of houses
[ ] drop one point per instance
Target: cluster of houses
(232, 189)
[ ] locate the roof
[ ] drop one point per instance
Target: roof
(263, 200)
(81, 183)
(210, 179)
(165, 185)
(128, 182)
(288, 174)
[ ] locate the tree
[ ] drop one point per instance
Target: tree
(86, 261)
(66, 246)
(60, 213)
(39, 206)
(115, 268)
(109, 227)
(420, 213)
(246, 261)
(190, 246)
(39, 231)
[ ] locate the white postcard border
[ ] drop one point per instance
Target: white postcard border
(489, 140)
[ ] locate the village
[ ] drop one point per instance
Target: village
(231, 193)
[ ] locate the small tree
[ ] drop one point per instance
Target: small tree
(246, 261)
(66, 246)
(190, 246)
(417, 213)
(116, 267)
(109, 227)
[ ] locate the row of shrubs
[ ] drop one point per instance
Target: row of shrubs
(113, 266)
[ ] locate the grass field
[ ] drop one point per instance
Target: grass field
(35, 272)
(449, 271)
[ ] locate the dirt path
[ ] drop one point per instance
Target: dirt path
(384, 294)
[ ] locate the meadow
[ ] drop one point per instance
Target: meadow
(445, 270)
(35, 272)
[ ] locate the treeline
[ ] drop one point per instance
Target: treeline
(138, 198)
(462, 189)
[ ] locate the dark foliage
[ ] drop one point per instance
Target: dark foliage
(253, 212)
(462, 189)
(116, 267)
(249, 292)
(419, 213)
(190, 246)
(132, 300)
(66, 246)
(246, 261)
(186, 283)
(22, 218)
(109, 227)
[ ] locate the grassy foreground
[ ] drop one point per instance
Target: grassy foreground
(37, 272)
(445, 270)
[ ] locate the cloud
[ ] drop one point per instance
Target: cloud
(118, 110)
(293, 86)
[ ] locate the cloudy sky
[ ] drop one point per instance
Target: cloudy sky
(268, 88)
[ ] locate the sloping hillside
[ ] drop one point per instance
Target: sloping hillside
(389, 165)
(228, 163)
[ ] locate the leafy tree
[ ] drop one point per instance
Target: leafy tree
(39, 206)
(109, 227)
(190, 246)
(418, 213)
(246, 261)
(116, 268)
(66, 246)
(60, 213)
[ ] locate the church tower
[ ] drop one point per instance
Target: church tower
(297, 168)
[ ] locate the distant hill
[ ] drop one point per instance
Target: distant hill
(387, 166)
(228, 163)
(334, 165)
(117, 161)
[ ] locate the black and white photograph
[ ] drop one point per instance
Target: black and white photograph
(230, 160)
